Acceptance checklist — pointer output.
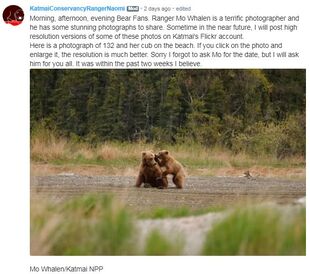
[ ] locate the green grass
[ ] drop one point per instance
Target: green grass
(159, 245)
(126, 155)
(267, 162)
(48, 147)
(100, 225)
(258, 231)
(162, 212)
(89, 225)
(81, 160)
(203, 163)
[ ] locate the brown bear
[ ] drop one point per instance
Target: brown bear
(172, 166)
(150, 172)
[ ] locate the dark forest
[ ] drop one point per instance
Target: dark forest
(252, 110)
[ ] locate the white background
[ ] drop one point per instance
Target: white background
(14, 134)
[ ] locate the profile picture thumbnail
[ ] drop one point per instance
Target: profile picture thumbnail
(13, 15)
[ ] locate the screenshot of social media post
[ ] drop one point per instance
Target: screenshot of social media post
(154, 136)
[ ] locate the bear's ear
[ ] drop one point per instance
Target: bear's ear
(166, 152)
(143, 153)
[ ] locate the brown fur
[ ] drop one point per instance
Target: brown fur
(172, 166)
(150, 172)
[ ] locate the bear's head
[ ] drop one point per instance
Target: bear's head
(162, 156)
(148, 158)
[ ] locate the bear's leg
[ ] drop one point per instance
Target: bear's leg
(162, 182)
(178, 180)
(165, 181)
(140, 180)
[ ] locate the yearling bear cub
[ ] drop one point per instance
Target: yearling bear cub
(150, 172)
(172, 166)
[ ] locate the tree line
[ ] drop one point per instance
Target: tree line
(225, 107)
